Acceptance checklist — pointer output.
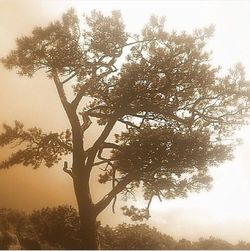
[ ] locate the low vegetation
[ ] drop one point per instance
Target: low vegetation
(59, 228)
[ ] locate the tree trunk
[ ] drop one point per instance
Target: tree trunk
(87, 214)
(89, 231)
(80, 171)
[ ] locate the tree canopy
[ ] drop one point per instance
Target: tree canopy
(177, 110)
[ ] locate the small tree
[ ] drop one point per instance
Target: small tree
(176, 110)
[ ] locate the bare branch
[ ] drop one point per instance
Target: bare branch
(139, 41)
(86, 121)
(110, 145)
(102, 162)
(105, 133)
(113, 205)
(149, 202)
(66, 170)
(104, 202)
(98, 115)
(69, 78)
(105, 160)
(113, 186)
(128, 123)
(61, 92)
(96, 108)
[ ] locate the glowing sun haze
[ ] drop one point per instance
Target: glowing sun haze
(223, 211)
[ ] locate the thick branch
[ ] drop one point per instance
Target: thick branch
(104, 202)
(105, 133)
(80, 94)
(77, 134)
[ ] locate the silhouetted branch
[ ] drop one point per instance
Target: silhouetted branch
(104, 202)
(128, 123)
(66, 170)
(69, 78)
(113, 186)
(86, 121)
(105, 133)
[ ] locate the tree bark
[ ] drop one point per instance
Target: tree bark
(88, 225)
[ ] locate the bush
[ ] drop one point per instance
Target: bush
(59, 228)
(127, 237)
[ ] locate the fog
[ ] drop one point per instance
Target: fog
(222, 212)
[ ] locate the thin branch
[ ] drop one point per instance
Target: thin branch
(101, 162)
(113, 205)
(69, 78)
(96, 107)
(113, 186)
(128, 123)
(98, 115)
(94, 79)
(106, 168)
(110, 145)
(139, 41)
(150, 201)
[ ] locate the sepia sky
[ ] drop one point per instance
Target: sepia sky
(223, 212)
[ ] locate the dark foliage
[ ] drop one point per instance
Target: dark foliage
(128, 237)
(16, 225)
(58, 228)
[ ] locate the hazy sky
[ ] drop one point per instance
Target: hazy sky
(224, 211)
